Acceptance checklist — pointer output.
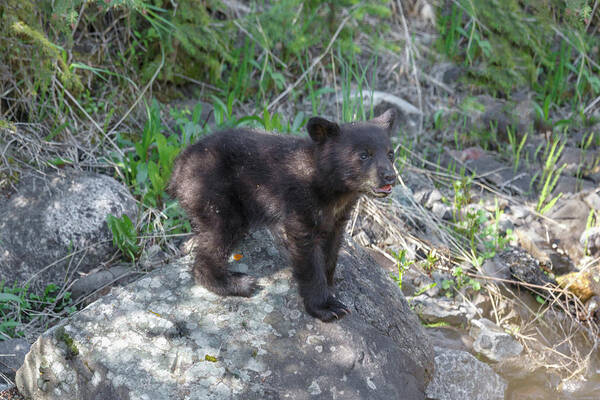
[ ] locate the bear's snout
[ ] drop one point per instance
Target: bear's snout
(387, 176)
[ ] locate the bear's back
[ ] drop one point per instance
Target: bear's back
(262, 171)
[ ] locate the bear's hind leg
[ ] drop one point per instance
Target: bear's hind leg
(216, 236)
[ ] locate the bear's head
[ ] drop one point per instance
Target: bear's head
(356, 157)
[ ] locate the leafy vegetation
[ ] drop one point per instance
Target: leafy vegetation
(124, 235)
(163, 43)
(19, 307)
(509, 45)
(403, 263)
(459, 281)
(549, 177)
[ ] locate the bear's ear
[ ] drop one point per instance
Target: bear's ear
(386, 120)
(320, 129)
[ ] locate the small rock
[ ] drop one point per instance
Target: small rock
(482, 301)
(442, 309)
(580, 388)
(452, 75)
(152, 257)
(525, 268)
(593, 201)
(532, 242)
(590, 241)
(505, 224)
(571, 214)
(518, 211)
(449, 337)
(583, 284)
(459, 375)
(471, 153)
(495, 268)
(575, 160)
(435, 196)
(442, 211)
(12, 354)
(569, 208)
(448, 73)
(492, 342)
(594, 176)
(403, 195)
(94, 281)
(570, 184)
(500, 174)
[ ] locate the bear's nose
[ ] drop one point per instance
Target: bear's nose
(389, 177)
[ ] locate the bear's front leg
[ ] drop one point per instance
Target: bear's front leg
(309, 266)
(332, 249)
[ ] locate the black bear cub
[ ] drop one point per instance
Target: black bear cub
(238, 179)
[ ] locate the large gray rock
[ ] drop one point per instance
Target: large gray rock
(48, 219)
(164, 338)
(460, 376)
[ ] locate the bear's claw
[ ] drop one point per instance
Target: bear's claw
(332, 309)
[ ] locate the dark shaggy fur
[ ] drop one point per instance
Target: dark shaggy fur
(235, 180)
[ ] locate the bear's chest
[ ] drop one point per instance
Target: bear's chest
(329, 218)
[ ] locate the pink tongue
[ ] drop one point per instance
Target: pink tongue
(386, 188)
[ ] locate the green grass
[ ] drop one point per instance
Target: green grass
(247, 55)
(476, 229)
(550, 175)
(516, 147)
(124, 235)
(509, 45)
(20, 307)
(146, 163)
(403, 263)
(458, 282)
(354, 79)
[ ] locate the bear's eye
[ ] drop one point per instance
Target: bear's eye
(391, 155)
(364, 156)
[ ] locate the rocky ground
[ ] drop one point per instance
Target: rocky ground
(533, 315)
